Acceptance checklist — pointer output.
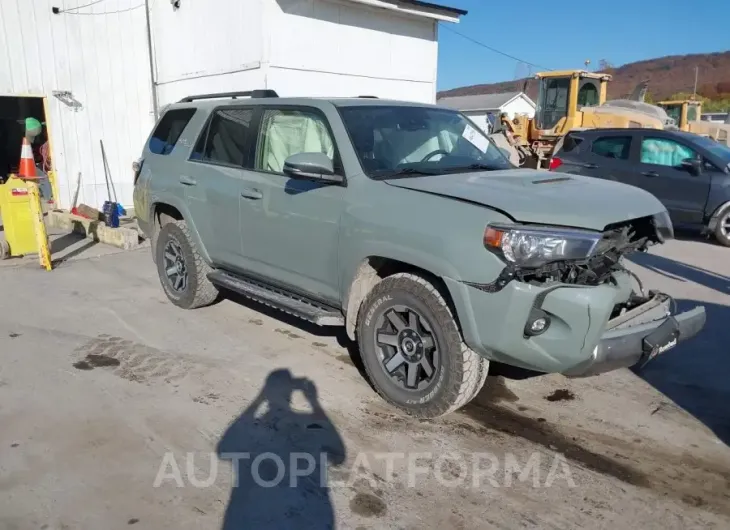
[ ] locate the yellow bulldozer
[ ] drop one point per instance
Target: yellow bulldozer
(686, 113)
(571, 100)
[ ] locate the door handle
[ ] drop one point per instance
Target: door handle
(187, 181)
(650, 174)
(251, 193)
(590, 166)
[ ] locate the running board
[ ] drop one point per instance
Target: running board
(278, 298)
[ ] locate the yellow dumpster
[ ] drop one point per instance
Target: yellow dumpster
(17, 215)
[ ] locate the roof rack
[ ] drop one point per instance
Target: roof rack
(261, 93)
(368, 97)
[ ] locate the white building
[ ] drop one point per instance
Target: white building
(484, 109)
(85, 68)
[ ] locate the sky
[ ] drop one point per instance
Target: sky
(564, 34)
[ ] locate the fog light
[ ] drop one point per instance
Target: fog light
(538, 322)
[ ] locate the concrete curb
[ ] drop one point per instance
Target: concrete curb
(127, 238)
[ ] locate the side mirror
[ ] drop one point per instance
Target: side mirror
(311, 166)
(693, 166)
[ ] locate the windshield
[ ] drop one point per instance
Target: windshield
(395, 141)
(692, 111)
(716, 148)
(674, 112)
(552, 102)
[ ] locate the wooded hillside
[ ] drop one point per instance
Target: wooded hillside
(668, 76)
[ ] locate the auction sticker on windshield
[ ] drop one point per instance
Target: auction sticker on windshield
(475, 138)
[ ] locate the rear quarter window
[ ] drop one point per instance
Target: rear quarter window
(571, 142)
(169, 130)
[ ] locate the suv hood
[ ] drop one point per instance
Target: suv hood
(542, 197)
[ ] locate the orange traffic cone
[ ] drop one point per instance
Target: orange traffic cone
(27, 163)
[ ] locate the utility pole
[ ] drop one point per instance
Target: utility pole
(151, 51)
(694, 93)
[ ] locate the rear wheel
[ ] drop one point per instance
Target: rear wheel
(413, 351)
(183, 272)
(722, 230)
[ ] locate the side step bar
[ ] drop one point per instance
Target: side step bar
(280, 299)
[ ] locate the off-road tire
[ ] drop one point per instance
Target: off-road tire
(723, 239)
(461, 372)
(199, 291)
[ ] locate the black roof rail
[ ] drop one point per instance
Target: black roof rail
(368, 97)
(260, 93)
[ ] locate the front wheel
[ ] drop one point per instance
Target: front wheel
(183, 272)
(722, 230)
(413, 351)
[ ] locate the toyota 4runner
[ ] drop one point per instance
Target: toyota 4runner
(404, 223)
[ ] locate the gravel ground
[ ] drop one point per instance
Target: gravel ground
(118, 409)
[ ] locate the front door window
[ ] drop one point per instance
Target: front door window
(287, 132)
(664, 152)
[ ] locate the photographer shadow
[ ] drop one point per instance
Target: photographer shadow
(279, 457)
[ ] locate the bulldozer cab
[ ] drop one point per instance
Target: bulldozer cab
(561, 95)
(682, 111)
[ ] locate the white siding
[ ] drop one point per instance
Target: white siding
(319, 84)
(359, 50)
(99, 54)
(230, 82)
(101, 58)
(207, 46)
(480, 119)
(519, 105)
(309, 48)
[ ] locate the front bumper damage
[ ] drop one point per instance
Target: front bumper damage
(592, 330)
(639, 335)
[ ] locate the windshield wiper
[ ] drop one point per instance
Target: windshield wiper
(472, 167)
(406, 172)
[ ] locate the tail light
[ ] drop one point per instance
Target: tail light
(555, 163)
(136, 168)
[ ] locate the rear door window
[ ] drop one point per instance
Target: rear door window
(226, 139)
(168, 131)
(617, 147)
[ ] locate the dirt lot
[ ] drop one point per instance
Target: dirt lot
(119, 410)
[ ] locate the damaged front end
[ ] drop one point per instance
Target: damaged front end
(633, 327)
(544, 255)
(637, 332)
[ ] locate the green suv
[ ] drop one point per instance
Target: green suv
(404, 223)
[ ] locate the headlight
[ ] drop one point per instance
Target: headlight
(535, 246)
(663, 226)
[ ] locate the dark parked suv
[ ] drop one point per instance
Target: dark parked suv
(690, 174)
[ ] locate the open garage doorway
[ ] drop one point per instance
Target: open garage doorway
(19, 115)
